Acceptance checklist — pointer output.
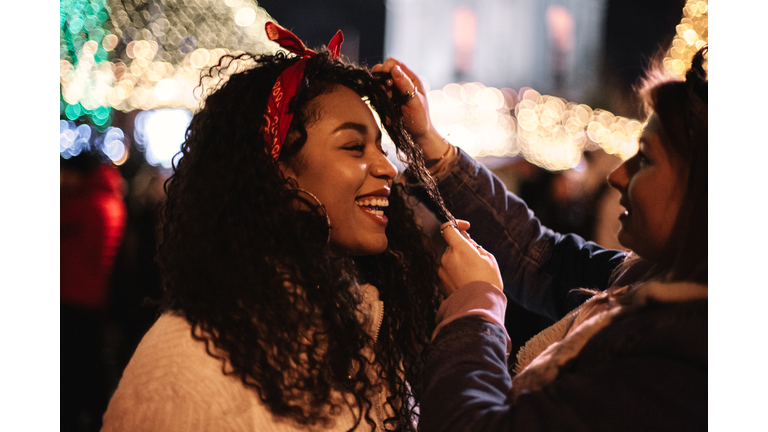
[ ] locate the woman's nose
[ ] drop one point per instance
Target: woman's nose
(384, 168)
(618, 178)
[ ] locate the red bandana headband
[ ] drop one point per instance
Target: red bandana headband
(278, 117)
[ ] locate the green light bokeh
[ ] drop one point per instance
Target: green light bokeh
(81, 21)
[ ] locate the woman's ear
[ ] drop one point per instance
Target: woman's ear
(287, 171)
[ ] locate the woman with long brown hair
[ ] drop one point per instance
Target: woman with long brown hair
(634, 356)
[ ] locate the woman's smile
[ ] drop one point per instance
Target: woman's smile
(373, 205)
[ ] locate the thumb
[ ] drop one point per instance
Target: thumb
(462, 224)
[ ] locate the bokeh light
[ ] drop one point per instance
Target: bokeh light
(692, 35)
(245, 17)
(548, 131)
(160, 133)
(150, 45)
(137, 55)
(74, 139)
(84, 47)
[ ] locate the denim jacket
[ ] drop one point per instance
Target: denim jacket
(646, 372)
(538, 266)
(637, 366)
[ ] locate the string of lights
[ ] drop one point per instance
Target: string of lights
(692, 35)
(547, 130)
(149, 54)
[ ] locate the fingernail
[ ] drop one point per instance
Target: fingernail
(398, 71)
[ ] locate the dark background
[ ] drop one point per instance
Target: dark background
(315, 22)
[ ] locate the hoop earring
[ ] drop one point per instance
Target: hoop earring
(303, 196)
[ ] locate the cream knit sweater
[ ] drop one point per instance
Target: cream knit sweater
(172, 384)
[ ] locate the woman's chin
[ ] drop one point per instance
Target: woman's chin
(644, 246)
(371, 247)
(624, 238)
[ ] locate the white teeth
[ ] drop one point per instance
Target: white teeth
(373, 202)
(373, 205)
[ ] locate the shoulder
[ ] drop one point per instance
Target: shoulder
(168, 352)
(172, 383)
(664, 317)
(668, 317)
(678, 329)
(659, 347)
(646, 370)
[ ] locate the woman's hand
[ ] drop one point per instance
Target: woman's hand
(465, 261)
(415, 110)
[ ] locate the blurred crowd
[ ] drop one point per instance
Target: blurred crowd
(108, 279)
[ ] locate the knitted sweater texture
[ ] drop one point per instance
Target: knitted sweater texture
(173, 384)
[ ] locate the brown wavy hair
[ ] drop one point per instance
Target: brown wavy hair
(681, 106)
(253, 274)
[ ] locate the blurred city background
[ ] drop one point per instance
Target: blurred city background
(540, 91)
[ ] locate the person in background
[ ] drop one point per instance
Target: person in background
(632, 358)
(92, 223)
(299, 292)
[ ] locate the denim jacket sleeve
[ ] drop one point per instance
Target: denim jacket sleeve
(539, 267)
(466, 378)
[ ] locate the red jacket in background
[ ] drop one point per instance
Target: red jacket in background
(93, 217)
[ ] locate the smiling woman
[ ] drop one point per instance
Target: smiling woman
(270, 323)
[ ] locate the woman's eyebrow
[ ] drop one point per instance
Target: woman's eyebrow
(363, 129)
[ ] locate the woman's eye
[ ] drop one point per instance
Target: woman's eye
(356, 148)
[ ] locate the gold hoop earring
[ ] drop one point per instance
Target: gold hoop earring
(304, 202)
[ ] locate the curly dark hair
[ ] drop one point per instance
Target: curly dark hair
(241, 263)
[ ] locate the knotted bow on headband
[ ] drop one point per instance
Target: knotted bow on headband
(278, 116)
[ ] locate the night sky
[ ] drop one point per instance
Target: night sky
(635, 31)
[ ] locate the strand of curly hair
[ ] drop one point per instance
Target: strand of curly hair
(246, 269)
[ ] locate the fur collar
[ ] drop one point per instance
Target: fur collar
(540, 360)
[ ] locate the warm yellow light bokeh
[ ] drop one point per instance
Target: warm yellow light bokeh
(161, 65)
(692, 35)
(549, 131)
